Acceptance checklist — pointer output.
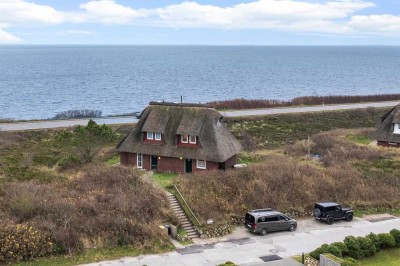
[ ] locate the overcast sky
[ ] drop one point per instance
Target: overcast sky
(222, 22)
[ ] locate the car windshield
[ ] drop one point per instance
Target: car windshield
(250, 218)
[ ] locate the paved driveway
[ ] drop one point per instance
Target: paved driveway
(243, 248)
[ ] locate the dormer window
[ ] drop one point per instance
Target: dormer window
(149, 135)
(184, 138)
(192, 139)
(396, 129)
(157, 136)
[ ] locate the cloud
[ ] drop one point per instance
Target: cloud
(7, 38)
(109, 12)
(373, 24)
(19, 12)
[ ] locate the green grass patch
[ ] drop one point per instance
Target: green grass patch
(386, 165)
(100, 254)
(113, 160)
(360, 139)
(277, 130)
(165, 180)
(390, 257)
(248, 158)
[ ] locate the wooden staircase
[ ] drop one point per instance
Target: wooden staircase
(185, 222)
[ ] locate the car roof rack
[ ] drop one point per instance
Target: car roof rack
(263, 210)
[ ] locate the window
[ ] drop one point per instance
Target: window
(272, 219)
(149, 135)
(201, 164)
(157, 136)
(396, 129)
(139, 161)
(392, 143)
(184, 138)
(192, 139)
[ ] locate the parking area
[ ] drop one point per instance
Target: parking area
(245, 248)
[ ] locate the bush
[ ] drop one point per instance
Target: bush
(83, 113)
(69, 161)
(354, 247)
(321, 250)
(334, 250)
(342, 247)
(396, 235)
(23, 242)
(375, 240)
(349, 262)
(367, 246)
(387, 240)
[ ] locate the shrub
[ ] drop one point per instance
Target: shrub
(342, 247)
(375, 241)
(387, 240)
(396, 235)
(83, 113)
(321, 250)
(23, 242)
(69, 161)
(334, 250)
(367, 246)
(354, 247)
(349, 262)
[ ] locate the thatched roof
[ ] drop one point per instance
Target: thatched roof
(216, 143)
(385, 129)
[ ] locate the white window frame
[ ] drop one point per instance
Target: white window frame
(190, 139)
(187, 140)
(155, 135)
(392, 143)
(139, 165)
(200, 166)
(150, 134)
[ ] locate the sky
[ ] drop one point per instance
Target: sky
(202, 22)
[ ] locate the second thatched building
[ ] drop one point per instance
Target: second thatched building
(181, 138)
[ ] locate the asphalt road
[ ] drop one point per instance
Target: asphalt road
(33, 125)
(245, 248)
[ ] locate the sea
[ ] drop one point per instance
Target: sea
(37, 82)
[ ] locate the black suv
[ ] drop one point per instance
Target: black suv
(331, 211)
(263, 221)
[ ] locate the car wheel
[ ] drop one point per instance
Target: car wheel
(349, 217)
(317, 212)
(292, 227)
(330, 220)
(263, 232)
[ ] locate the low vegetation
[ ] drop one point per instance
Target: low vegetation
(305, 100)
(353, 248)
(291, 181)
(82, 113)
(275, 131)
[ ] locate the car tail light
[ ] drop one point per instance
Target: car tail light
(254, 225)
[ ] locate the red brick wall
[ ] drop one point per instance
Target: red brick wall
(386, 144)
(169, 164)
(230, 162)
(128, 159)
(146, 162)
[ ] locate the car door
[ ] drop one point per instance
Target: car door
(283, 223)
(272, 223)
(338, 212)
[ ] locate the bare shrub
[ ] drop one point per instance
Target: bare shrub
(81, 113)
(105, 207)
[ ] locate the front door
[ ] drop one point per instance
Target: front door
(188, 166)
(153, 162)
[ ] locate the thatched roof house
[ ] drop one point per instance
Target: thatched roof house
(388, 132)
(182, 138)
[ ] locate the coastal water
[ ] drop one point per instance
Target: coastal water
(39, 81)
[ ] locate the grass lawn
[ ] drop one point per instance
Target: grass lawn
(165, 180)
(113, 160)
(360, 139)
(389, 257)
(94, 255)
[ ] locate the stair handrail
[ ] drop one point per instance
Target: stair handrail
(187, 204)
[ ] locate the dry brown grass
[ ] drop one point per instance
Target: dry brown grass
(292, 183)
(106, 207)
